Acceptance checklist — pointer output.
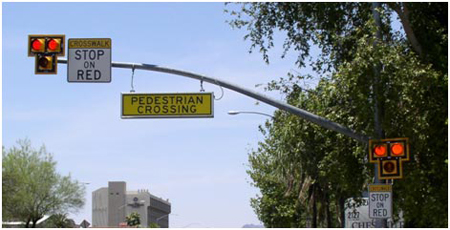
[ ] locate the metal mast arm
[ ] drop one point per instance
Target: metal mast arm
(278, 104)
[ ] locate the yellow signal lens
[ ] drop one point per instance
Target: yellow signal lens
(389, 167)
(45, 62)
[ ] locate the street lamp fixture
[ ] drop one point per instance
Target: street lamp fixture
(233, 112)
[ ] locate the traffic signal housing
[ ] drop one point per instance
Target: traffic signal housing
(389, 155)
(48, 44)
(390, 169)
(46, 49)
(46, 64)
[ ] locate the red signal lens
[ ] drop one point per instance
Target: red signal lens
(52, 44)
(37, 44)
(380, 150)
(397, 149)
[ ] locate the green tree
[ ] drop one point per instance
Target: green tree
(31, 187)
(153, 225)
(58, 221)
(134, 219)
(273, 211)
(311, 168)
(322, 167)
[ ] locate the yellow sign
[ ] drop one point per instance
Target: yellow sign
(167, 105)
(90, 43)
(380, 188)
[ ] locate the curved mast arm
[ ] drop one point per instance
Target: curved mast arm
(323, 122)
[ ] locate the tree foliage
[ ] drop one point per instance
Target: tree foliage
(134, 219)
(305, 171)
(58, 221)
(153, 225)
(31, 187)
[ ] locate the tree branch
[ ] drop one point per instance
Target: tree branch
(403, 14)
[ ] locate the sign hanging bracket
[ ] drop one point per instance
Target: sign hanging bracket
(201, 85)
(132, 79)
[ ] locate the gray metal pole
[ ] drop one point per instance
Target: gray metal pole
(379, 223)
(278, 104)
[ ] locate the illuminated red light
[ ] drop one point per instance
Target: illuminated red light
(52, 44)
(380, 150)
(397, 149)
(37, 44)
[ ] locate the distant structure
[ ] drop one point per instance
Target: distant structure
(111, 205)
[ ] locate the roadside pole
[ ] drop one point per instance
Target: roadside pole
(379, 134)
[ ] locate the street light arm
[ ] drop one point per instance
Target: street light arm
(161, 217)
(253, 94)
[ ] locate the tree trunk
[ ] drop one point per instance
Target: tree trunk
(342, 211)
(27, 224)
(314, 219)
(327, 203)
(404, 19)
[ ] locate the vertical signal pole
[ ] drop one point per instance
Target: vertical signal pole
(379, 134)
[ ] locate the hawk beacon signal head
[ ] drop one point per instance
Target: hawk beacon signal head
(46, 48)
(389, 155)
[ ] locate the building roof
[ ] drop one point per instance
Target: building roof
(160, 199)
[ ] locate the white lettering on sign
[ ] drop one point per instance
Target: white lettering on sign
(89, 60)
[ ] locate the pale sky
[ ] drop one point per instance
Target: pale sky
(198, 164)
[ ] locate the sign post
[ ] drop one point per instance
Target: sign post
(89, 60)
(380, 201)
(167, 105)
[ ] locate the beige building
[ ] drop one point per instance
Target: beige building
(111, 205)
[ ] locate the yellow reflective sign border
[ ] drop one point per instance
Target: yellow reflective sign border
(380, 188)
(167, 105)
(90, 43)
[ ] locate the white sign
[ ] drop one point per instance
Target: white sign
(380, 201)
(357, 215)
(89, 60)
